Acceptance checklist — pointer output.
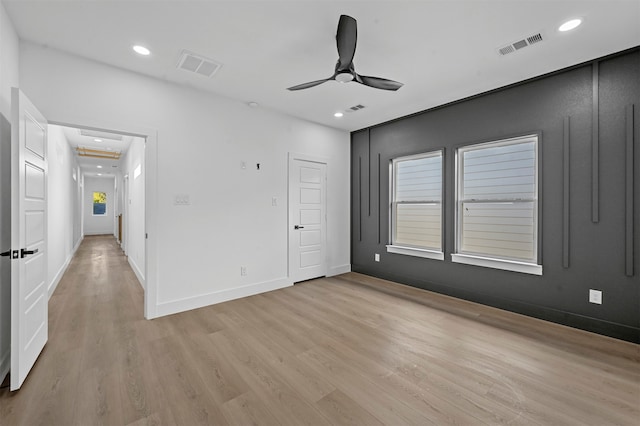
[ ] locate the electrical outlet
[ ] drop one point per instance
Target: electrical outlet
(274, 201)
(243, 271)
(376, 257)
(595, 296)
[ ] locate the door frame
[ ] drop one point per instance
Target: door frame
(124, 240)
(291, 220)
(150, 135)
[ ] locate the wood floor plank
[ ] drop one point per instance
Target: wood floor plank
(181, 382)
(285, 403)
(248, 410)
(342, 410)
(343, 350)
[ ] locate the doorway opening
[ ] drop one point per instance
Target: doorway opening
(100, 177)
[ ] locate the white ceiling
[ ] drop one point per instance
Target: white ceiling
(441, 50)
(111, 142)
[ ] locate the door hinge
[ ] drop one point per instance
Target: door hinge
(146, 236)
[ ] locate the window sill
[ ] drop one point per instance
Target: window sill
(412, 251)
(506, 265)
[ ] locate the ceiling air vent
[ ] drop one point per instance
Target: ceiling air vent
(198, 64)
(534, 38)
(355, 108)
(520, 44)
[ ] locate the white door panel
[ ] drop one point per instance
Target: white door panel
(307, 219)
(29, 299)
(35, 140)
(310, 238)
(310, 217)
(310, 175)
(34, 181)
(310, 195)
(309, 259)
(34, 274)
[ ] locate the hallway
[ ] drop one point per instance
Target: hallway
(95, 321)
(345, 350)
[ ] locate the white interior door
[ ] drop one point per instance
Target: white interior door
(307, 219)
(29, 300)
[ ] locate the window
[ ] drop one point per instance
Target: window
(497, 205)
(99, 203)
(416, 205)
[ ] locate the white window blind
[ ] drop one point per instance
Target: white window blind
(497, 200)
(416, 208)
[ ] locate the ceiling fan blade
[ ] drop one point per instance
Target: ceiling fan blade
(378, 83)
(346, 38)
(309, 84)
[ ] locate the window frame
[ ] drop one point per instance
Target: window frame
(93, 203)
(406, 249)
(532, 266)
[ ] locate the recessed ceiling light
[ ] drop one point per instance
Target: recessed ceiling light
(569, 25)
(97, 140)
(253, 104)
(141, 50)
(338, 114)
(99, 174)
(99, 167)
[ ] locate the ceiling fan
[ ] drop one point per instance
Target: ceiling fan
(346, 38)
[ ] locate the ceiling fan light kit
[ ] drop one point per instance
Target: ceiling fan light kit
(346, 38)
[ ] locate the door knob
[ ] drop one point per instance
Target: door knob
(298, 227)
(25, 252)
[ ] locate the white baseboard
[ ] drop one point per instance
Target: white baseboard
(194, 302)
(137, 271)
(56, 280)
(337, 270)
(5, 364)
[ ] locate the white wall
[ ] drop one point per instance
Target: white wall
(135, 212)
(201, 140)
(98, 225)
(63, 206)
(8, 78)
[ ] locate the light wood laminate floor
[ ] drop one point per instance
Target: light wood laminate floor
(344, 350)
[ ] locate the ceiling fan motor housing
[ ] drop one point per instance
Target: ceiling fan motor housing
(344, 77)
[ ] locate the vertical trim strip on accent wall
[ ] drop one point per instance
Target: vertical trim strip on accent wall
(629, 169)
(369, 168)
(566, 164)
(595, 147)
(359, 198)
(379, 199)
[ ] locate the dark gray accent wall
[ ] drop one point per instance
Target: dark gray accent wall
(577, 253)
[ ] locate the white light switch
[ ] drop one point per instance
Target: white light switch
(181, 200)
(376, 257)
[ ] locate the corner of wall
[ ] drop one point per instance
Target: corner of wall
(189, 303)
(338, 270)
(5, 364)
(137, 271)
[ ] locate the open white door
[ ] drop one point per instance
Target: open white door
(307, 219)
(29, 300)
